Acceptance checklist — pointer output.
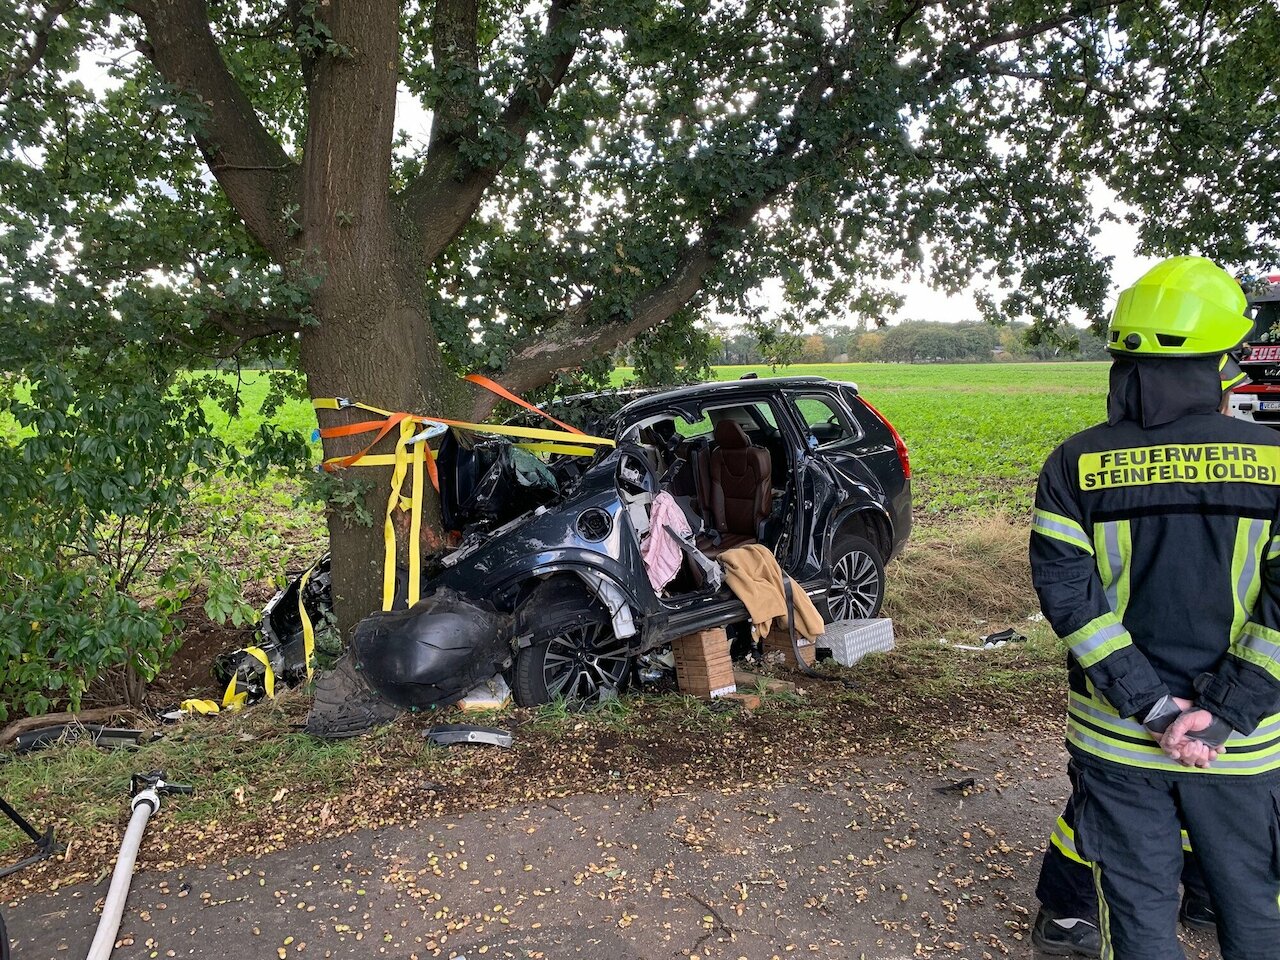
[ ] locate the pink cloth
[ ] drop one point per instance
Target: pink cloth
(661, 551)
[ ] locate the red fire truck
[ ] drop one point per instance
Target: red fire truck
(1259, 400)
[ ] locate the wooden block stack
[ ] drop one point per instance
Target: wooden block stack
(779, 639)
(703, 665)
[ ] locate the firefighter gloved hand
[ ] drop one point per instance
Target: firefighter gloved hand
(1162, 713)
(1199, 751)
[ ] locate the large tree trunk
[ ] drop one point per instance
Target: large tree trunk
(369, 346)
(374, 341)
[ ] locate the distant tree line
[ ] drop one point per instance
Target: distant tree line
(912, 341)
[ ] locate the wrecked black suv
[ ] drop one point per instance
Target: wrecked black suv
(548, 585)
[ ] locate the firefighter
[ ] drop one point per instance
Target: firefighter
(1155, 552)
(1067, 922)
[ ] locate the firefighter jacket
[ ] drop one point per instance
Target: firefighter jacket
(1155, 551)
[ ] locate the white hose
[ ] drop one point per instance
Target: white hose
(144, 805)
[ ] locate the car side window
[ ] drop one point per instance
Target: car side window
(692, 430)
(752, 417)
(825, 420)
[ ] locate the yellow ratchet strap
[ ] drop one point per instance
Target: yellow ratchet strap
(415, 522)
(234, 701)
(400, 467)
(308, 632)
(557, 448)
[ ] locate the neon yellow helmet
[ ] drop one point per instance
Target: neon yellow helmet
(1181, 307)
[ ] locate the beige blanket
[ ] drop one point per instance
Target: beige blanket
(753, 574)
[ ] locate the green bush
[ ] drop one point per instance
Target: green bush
(98, 481)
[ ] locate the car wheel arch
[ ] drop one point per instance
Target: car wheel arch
(562, 613)
(572, 578)
(869, 522)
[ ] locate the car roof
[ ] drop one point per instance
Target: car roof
(722, 389)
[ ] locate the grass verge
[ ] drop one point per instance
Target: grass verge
(263, 785)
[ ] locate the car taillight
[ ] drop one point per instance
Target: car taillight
(898, 445)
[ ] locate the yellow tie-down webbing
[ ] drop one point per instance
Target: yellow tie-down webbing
(308, 631)
(231, 700)
(413, 453)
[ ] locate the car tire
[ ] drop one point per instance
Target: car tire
(572, 654)
(344, 705)
(856, 588)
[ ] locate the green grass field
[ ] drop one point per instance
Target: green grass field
(977, 433)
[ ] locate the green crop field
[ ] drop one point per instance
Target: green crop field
(977, 433)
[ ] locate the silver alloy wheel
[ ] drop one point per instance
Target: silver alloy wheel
(576, 668)
(855, 587)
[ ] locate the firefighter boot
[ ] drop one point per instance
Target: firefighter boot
(1066, 936)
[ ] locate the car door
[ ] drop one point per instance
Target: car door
(830, 474)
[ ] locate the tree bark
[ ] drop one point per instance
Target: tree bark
(374, 341)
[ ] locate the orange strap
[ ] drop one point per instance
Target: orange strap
(508, 395)
(429, 460)
(351, 429)
(386, 428)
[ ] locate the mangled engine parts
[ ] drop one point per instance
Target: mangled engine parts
(426, 656)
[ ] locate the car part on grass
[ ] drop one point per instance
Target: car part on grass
(280, 652)
(345, 706)
(45, 844)
(146, 790)
(1001, 637)
(447, 734)
(282, 624)
(991, 641)
(110, 738)
(432, 653)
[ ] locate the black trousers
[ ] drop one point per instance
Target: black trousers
(1065, 887)
(1128, 824)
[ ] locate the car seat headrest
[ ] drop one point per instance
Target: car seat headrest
(731, 436)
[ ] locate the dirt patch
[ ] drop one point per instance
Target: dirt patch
(190, 672)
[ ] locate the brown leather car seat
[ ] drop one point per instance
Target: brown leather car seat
(741, 486)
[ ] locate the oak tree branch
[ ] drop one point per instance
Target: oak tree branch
(253, 169)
